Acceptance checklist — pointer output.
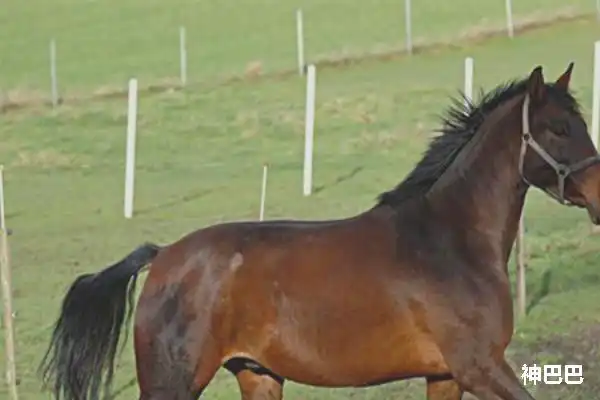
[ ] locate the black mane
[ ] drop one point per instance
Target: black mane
(459, 125)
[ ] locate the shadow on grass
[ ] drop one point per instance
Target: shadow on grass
(339, 179)
(174, 202)
(122, 389)
(542, 292)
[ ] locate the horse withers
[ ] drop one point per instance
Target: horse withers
(416, 286)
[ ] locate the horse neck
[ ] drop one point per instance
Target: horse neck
(482, 191)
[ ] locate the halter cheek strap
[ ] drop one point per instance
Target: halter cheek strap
(562, 171)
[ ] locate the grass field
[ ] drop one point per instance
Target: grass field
(101, 43)
(200, 151)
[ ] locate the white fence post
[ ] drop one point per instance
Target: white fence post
(596, 95)
(130, 152)
(5, 275)
(263, 192)
(468, 80)
(521, 281)
(408, 26)
(182, 56)
(300, 40)
(309, 129)
(509, 19)
(53, 74)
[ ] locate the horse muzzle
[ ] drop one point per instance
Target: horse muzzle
(593, 209)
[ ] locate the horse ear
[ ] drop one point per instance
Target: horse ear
(563, 81)
(535, 85)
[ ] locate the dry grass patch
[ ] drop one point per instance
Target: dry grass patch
(46, 159)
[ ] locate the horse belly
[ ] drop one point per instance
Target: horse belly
(353, 347)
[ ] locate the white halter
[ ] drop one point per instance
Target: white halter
(562, 170)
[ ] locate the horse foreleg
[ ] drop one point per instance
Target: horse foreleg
(507, 385)
(493, 382)
(259, 387)
(443, 389)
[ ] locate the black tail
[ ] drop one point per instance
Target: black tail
(79, 363)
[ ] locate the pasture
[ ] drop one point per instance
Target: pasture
(200, 150)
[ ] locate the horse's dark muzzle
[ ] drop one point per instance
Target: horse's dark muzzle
(593, 209)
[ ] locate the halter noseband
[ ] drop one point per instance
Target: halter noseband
(562, 170)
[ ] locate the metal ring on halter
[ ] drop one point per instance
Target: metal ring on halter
(562, 171)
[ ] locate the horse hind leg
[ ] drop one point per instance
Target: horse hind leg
(173, 361)
(255, 382)
(171, 373)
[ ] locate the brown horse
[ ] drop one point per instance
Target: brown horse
(416, 286)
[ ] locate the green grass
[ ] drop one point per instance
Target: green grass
(200, 154)
(102, 43)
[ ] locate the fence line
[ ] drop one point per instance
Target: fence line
(184, 40)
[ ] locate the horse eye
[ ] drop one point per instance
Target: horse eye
(559, 128)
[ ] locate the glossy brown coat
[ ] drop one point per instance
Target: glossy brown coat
(416, 286)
